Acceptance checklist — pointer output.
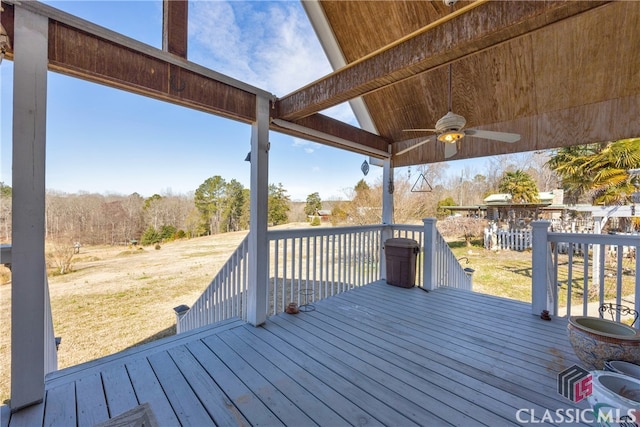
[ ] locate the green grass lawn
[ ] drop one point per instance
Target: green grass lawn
(501, 273)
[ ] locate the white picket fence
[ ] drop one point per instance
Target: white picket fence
(520, 240)
(515, 240)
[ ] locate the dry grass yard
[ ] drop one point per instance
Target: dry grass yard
(118, 297)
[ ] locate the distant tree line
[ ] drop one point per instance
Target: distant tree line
(596, 173)
(219, 206)
(216, 206)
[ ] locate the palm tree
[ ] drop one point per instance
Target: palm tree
(598, 171)
(520, 185)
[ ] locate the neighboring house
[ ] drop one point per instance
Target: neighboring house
(499, 207)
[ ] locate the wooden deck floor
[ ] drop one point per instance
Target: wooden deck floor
(377, 355)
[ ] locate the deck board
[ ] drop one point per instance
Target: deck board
(376, 355)
(118, 390)
(321, 391)
(447, 386)
(184, 401)
(253, 409)
(216, 402)
(148, 390)
(429, 405)
(57, 410)
(277, 402)
(313, 407)
(91, 402)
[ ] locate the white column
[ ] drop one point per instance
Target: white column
(28, 181)
(428, 272)
(539, 267)
(598, 225)
(387, 192)
(258, 241)
(387, 212)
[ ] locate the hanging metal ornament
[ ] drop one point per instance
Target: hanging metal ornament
(364, 167)
(421, 185)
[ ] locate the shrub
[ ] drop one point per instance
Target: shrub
(316, 221)
(150, 236)
(167, 233)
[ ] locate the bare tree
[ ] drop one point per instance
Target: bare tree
(60, 255)
(5, 218)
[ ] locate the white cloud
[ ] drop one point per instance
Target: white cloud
(308, 146)
(267, 44)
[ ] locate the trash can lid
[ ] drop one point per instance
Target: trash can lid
(401, 243)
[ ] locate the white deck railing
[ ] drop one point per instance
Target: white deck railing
(310, 264)
(441, 266)
(580, 281)
(225, 297)
(50, 341)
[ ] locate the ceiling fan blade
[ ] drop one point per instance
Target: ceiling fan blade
(450, 150)
(411, 147)
(496, 136)
(419, 130)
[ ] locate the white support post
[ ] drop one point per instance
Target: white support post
(387, 212)
(387, 192)
(539, 266)
(28, 181)
(428, 273)
(598, 225)
(258, 240)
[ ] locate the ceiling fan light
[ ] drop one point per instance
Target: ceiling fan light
(450, 136)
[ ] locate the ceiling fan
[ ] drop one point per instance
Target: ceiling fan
(449, 129)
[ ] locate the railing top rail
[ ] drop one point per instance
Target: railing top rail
(320, 231)
(408, 227)
(606, 239)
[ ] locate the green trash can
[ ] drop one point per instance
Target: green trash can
(400, 256)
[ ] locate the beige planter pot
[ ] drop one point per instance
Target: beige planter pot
(596, 340)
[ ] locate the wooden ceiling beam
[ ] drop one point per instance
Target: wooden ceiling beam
(94, 58)
(469, 31)
(175, 27)
(85, 50)
(329, 131)
(81, 49)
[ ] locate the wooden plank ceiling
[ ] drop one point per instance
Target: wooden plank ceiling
(558, 73)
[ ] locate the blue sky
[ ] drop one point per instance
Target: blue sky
(109, 141)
